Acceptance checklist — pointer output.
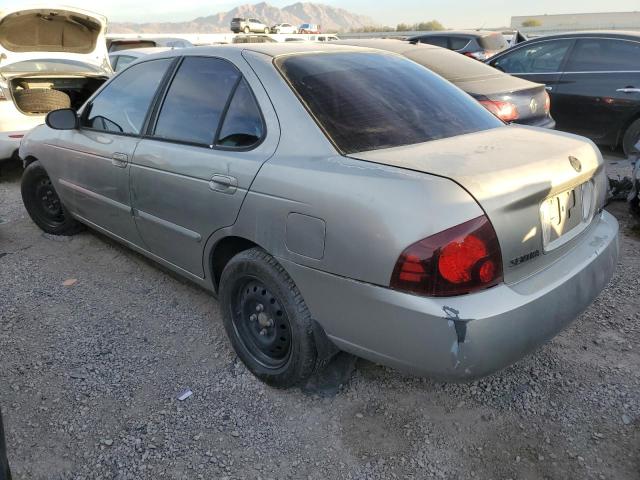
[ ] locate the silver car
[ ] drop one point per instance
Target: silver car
(334, 198)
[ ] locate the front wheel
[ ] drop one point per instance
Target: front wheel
(43, 204)
(631, 138)
(267, 320)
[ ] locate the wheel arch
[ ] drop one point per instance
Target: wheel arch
(28, 160)
(223, 251)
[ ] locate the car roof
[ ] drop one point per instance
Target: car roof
(592, 33)
(139, 52)
(273, 49)
(466, 33)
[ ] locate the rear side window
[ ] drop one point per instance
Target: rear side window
(458, 43)
(493, 42)
(604, 55)
(541, 57)
(196, 100)
(123, 104)
(370, 101)
(437, 41)
(242, 126)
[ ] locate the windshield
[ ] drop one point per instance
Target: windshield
(52, 66)
(370, 101)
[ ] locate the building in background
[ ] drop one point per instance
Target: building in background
(546, 24)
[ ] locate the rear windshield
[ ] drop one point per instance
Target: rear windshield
(371, 101)
(494, 41)
(128, 45)
(238, 19)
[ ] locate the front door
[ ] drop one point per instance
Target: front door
(599, 92)
(98, 154)
(190, 176)
(539, 62)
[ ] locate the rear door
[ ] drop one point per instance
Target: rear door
(539, 62)
(213, 131)
(599, 91)
(97, 155)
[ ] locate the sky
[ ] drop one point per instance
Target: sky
(458, 14)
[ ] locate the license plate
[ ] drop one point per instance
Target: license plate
(563, 214)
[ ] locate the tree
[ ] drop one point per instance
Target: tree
(420, 27)
(532, 22)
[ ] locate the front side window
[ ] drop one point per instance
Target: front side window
(123, 104)
(196, 100)
(541, 57)
(370, 101)
(243, 126)
(604, 55)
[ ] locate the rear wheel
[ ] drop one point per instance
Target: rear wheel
(631, 137)
(43, 204)
(267, 320)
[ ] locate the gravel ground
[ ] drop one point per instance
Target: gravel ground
(91, 374)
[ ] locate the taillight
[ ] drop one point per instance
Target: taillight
(477, 55)
(547, 103)
(505, 111)
(463, 259)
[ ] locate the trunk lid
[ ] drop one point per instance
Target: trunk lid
(518, 175)
(43, 33)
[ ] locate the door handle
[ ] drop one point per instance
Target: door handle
(223, 183)
(548, 89)
(119, 159)
(628, 90)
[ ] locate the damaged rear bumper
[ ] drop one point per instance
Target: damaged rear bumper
(465, 337)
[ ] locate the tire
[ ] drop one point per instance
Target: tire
(43, 204)
(41, 100)
(247, 30)
(631, 137)
(256, 295)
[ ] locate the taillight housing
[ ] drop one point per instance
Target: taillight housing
(461, 260)
(481, 55)
(547, 103)
(505, 111)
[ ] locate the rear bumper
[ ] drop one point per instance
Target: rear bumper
(9, 144)
(546, 122)
(461, 338)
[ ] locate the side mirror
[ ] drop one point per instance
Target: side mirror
(64, 119)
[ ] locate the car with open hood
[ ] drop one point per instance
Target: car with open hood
(334, 198)
(50, 57)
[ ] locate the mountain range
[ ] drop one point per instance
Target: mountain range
(330, 18)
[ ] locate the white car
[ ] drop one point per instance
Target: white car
(50, 57)
(122, 58)
(285, 28)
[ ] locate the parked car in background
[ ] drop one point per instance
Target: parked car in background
(284, 28)
(309, 28)
(122, 58)
(118, 44)
(248, 25)
(513, 37)
(324, 37)
(593, 79)
(292, 179)
(511, 99)
(50, 58)
(478, 44)
(253, 39)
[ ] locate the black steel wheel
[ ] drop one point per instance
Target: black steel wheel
(268, 322)
(262, 324)
(43, 203)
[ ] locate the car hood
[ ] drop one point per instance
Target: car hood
(510, 171)
(49, 32)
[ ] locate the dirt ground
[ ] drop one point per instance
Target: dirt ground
(90, 375)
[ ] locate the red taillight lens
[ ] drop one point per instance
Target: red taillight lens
(547, 103)
(477, 55)
(505, 111)
(460, 260)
